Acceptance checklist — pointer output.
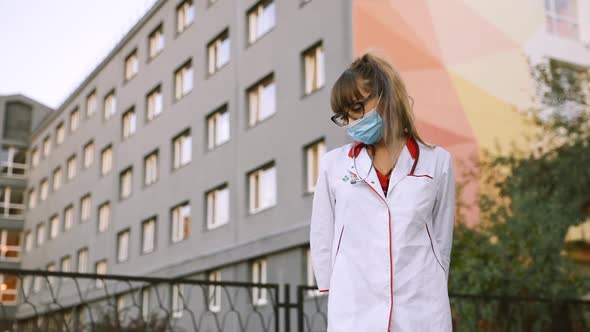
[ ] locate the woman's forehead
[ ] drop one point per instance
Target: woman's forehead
(350, 95)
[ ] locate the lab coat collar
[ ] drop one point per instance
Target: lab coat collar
(402, 168)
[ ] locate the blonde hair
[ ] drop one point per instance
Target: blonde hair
(377, 76)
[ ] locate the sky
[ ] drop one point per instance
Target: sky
(47, 48)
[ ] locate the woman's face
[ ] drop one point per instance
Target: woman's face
(366, 103)
(356, 109)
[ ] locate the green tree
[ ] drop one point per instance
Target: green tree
(533, 194)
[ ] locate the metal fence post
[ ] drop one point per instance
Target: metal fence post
(287, 307)
(300, 320)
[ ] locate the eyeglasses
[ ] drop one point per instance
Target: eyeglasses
(357, 111)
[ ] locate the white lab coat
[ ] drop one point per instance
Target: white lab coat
(384, 260)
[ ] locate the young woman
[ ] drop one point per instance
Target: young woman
(383, 211)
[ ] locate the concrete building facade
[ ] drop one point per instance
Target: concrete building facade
(256, 160)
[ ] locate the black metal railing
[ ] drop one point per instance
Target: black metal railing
(61, 301)
(512, 313)
(477, 313)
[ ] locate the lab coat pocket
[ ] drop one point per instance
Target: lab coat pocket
(338, 246)
(434, 247)
(418, 194)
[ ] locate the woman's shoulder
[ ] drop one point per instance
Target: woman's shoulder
(434, 151)
(437, 159)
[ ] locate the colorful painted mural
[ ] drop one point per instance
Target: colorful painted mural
(465, 64)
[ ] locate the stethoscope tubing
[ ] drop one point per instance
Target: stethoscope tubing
(355, 181)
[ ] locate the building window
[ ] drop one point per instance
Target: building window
(56, 178)
(85, 205)
(214, 291)
(123, 246)
(35, 156)
(218, 131)
(104, 215)
(66, 264)
(125, 183)
(68, 217)
(148, 236)
(32, 198)
(12, 202)
(263, 188)
(110, 105)
(185, 14)
(83, 260)
(46, 146)
(106, 160)
(51, 267)
(219, 52)
(37, 284)
(145, 303)
(91, 103)
(53, 227)
(154, 103)
(259, 296)
(131, 65)
(156, 41)
(17, 121)
(60, 133)
(218, 207)
(88, 154)
(183, 78)
(44, 189)
(9, 289)
(181, 219)
(177, 300)
(313, 60)
(151, 169)
(561, 18)
(40, 234)
(28, 241)
(10, 244)
(182, 145)
(121, 307)
(100, 267)
(128, 123)
(27, 285)
(261, 19)
(72, 166)
(13, 161)
(74, 120)
(262, 100)
(313, 155)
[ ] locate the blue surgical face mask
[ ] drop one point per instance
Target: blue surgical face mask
(367, 129)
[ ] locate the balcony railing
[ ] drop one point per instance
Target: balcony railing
(12, 210)
(10, 253)
(13, 170)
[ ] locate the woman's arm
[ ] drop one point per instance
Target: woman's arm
(322, 228)
(443, 213)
